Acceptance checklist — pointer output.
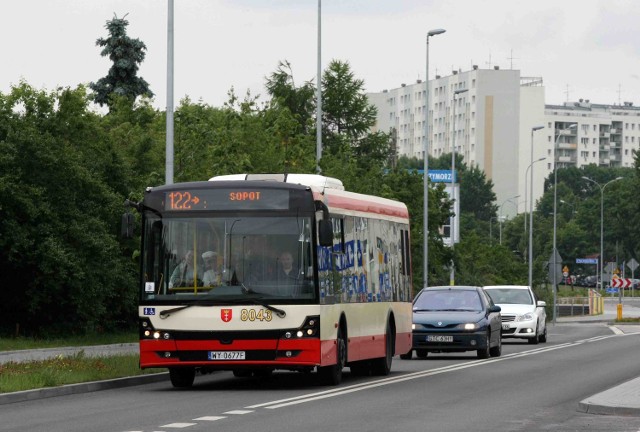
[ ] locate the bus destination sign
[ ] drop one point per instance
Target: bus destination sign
(226, 199)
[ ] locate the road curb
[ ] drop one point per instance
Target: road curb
(590, 408)
(70, 389)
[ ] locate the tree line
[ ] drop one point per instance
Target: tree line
(66, 169)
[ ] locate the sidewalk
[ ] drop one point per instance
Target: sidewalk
(623, 399)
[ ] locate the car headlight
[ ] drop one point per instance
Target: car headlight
(470, 326)
(526, 317)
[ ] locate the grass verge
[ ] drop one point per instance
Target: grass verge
(23, 343)
(61, 370)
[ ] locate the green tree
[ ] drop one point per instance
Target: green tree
(126, 54)
(59, 217)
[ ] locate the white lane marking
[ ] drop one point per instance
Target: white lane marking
(616, 330)
(209, 418)
(238, 412)
(386, 381)
(178, 425)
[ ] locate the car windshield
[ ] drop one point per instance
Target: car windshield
(510, 296)
(448, 300)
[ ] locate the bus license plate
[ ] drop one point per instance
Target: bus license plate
(439, 338)
(226, 355)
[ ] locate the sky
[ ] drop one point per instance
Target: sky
(582, 49)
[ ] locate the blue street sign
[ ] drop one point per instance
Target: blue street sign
(586, 260)
(440, 176)
(611, 290)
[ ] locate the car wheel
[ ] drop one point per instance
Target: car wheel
(484, 352)
(407, 356)
(496, 351)
(182, 377)
(543, 336)
(534, 340)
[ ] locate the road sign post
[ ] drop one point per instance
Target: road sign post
(633, 265)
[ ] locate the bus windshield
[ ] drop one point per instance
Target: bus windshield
(227, 259)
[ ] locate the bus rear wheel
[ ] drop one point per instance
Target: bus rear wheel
(382, 365)
(182, 377)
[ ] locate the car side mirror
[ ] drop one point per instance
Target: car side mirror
(541, 303)
(495, 308)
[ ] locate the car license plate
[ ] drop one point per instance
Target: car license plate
(505, 327)
(226, 355)
(432, 338)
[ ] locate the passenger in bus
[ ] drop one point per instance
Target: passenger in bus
(258, 263)
(211, 275)
(186, 274)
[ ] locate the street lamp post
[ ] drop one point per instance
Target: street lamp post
(452, 276)
(425, 258)
(525, 191)
(533, 129)
(500, 218)
(555, 214)
(601, 223)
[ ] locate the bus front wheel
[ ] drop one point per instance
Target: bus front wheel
(182, 377)
(332, 375)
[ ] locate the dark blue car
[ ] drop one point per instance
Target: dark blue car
(455, 319)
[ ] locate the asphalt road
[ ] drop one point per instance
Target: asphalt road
(531, 387)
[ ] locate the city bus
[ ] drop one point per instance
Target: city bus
(213, 296)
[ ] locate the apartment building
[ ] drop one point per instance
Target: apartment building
(500, 124)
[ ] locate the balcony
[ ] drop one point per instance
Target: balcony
(567, 146)
(567, 159)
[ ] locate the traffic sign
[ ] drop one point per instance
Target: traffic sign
(586, 260)
(621, 282)
(633, 264)
(611, 290)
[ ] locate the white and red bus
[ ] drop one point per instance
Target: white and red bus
(345, 303)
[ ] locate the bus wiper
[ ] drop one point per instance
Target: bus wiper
(279, 312)
(165, 313)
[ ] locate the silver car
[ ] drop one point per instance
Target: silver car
(523, 315)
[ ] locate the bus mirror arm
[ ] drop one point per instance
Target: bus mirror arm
(325, 228)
